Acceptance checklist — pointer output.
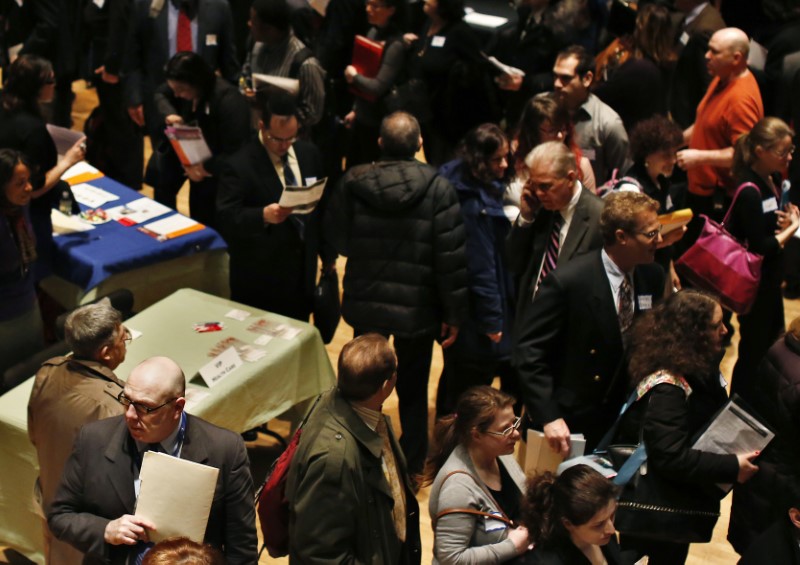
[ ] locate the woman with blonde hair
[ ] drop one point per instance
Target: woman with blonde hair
(760, 160)
(476, 481)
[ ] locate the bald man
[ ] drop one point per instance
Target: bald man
(732, 106)
(94, 505)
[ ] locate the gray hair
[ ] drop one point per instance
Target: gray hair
(400, 135)
(90, 328)
(560, 157)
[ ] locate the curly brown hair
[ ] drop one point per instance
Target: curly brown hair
(653, 135)
(479, 147)
(677, 336)
(183, 551)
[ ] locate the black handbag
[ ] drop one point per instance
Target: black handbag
(410, 96)
(327, 306)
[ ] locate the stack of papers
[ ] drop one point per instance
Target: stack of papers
(138, 211)
(674, 220)
(92, 196)
(172, 227)
(539, 456)
(189, 144)
(81, 172)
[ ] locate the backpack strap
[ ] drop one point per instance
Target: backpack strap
(299, 58)
(501, 517)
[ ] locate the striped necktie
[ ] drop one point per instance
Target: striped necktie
(551, 253)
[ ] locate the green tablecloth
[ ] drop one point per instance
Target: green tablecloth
(292, 372)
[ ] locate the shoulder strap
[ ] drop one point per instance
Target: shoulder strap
(502, 516)
(299, 58)
(735, 196)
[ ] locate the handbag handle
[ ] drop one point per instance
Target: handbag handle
(735, 196)
(502, 516)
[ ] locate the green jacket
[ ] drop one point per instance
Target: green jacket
(339, 501)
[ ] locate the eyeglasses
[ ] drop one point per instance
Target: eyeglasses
(651, 235)
(288, 140)
(509, 430)
(140, 408)
(127, 337)
(785, 153)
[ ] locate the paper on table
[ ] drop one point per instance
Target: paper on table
(171, 225)
(138, 211)
(63, 138)
(81, 172)
(484, 20)
(67, 224)
(92, 196)
(175, 495)
(303, 198)
(734, 430)
(290, 85)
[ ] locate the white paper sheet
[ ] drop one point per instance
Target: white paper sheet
(67, 224)
(170, 224)
(485, 20)
(92, 196)
(303, 198)
(81, 168)
(539, 457)
(138, 211)
(290, 85)
(175, 495)
(507, 69)
(64, 138)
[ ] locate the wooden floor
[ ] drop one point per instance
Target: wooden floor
(261, 452)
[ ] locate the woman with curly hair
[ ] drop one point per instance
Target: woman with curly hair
(476, 482)
(636, 90)
(544, 118)
(674, 366)
(183, 551)
(483, 348)
(570, 519)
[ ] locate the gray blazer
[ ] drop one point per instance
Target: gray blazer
(462, 538)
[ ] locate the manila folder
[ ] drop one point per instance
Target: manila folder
(175, 495)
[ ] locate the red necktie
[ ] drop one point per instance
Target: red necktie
(184, 31)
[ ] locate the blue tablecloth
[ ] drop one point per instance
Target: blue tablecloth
(88, 258)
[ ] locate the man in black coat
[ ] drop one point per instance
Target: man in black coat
(273, 253)
(569, 354)
(399, 224)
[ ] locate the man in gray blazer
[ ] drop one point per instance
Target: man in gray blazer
(553, 203)
(94, 505)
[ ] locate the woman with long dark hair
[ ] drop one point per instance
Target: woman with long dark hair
(570, 518)
(760, 158)
(483, 348)
(476, 481)
(194, 95)
(20, 321)
(30, 82)
(387, 19)
(675, 350)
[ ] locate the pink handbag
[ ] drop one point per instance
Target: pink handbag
(719, 263)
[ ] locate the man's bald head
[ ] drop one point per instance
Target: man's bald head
(400, 136)
(160, 374)
(727, 53)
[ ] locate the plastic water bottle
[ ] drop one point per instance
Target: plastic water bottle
(65, 202)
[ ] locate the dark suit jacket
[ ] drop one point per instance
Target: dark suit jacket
(248, 182)
(97, 487)
(526, 246)
(148, 51)
(569, 355)
(778, 544)
(690, 79)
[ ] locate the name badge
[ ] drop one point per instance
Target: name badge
(492, 525)
(769, 205)
(438, 41)
(684, 38)
(310, 180)
(645, 301)
(211, 39)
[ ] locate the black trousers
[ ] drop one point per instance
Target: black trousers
(460, 374)
(413, 370)
(122, 138)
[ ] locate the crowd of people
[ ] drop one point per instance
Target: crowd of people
(510, 215)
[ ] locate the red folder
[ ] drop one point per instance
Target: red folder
(367, 55)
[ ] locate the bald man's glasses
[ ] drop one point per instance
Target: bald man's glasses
(141, 409)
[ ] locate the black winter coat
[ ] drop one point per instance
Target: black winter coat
(399, 224)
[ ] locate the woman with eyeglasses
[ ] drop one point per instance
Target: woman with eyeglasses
(544, 119)
(476, 482)
(483, 348)
(29, 83)
(570, 518)
(675, 351)
(762, 157)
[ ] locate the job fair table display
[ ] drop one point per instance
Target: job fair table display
(243, 367)
(131, 242)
